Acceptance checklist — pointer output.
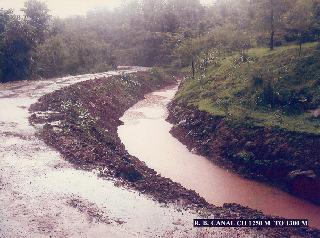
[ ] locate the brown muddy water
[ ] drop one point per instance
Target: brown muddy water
(146, 135)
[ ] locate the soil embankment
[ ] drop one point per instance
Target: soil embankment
(81, 123)
(289, 160)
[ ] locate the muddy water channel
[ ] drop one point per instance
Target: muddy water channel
(145, 134)
(42, 195)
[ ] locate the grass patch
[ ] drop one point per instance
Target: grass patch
(275, 88)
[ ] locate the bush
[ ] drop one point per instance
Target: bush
(158, 74)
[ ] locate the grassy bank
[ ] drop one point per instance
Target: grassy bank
(258, 114)
(264, 88)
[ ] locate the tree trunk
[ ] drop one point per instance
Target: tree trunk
(271, 25)
(272, 40)
(300, 46)
(193, 68)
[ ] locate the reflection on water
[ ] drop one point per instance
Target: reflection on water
(145, 134)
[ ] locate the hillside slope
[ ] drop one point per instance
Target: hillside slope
(270, 88)
(258, 114)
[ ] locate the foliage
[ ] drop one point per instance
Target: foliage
(72, 55)
(37, 15)
(16, 48)
(272, 88)
(175, 33)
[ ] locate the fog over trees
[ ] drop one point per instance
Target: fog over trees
(146, 32)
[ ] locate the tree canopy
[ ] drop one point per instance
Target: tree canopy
(148, 33)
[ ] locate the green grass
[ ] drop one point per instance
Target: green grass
(269, 88)
(206, 105)
(262, 51)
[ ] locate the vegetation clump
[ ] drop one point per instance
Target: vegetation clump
(276, 89)
(175, 33)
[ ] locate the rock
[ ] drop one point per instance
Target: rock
(305, 184)
(249, 145)
(296, 173)
(182, 122)
(194, 151)
(129, 173)
(315, 113)
(206, 142)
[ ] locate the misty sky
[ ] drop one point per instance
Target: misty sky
(64, 8)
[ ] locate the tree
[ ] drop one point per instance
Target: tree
(18, 44)
(316, 19)
(272, 30)
(300, 20)
(5, 16)
(170, 22)
(188, 12)
(37, 15)
(270, 15)
(188, 53)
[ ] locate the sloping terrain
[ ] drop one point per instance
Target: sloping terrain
(257, 113)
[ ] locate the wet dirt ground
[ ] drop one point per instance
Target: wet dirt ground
(42, 195)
